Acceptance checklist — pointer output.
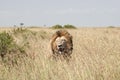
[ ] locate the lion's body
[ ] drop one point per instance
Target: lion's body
(64, 39)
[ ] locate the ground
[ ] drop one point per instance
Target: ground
(96, 56)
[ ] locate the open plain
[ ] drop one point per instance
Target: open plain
(96, 55)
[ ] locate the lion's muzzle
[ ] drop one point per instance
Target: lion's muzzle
(61, 48)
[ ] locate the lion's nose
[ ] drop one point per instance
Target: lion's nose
(59, 45)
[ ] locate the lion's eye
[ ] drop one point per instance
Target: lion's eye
(64, 40)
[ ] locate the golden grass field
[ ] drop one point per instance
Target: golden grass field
(96, 56)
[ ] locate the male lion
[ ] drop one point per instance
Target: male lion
(61, 44)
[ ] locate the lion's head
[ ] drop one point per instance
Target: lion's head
(61, 43)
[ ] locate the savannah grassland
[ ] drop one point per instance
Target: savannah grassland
(96, 56)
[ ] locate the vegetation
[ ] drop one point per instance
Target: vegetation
(6, 42)
(10, 52)
(21, 24)
(68, 26)
(56, 26)
(111, 26)
(19, 30)
(96, 56)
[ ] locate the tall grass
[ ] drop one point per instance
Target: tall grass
(96, 56)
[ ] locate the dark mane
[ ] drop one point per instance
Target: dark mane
(60, 33)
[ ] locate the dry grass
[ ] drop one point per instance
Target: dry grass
(96, 56)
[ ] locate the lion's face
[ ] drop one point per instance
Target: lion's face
(61, 44)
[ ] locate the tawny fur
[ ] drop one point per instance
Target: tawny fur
(69, 47)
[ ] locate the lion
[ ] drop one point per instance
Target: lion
(61, 44)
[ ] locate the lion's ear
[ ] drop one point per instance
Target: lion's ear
(58, 33)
